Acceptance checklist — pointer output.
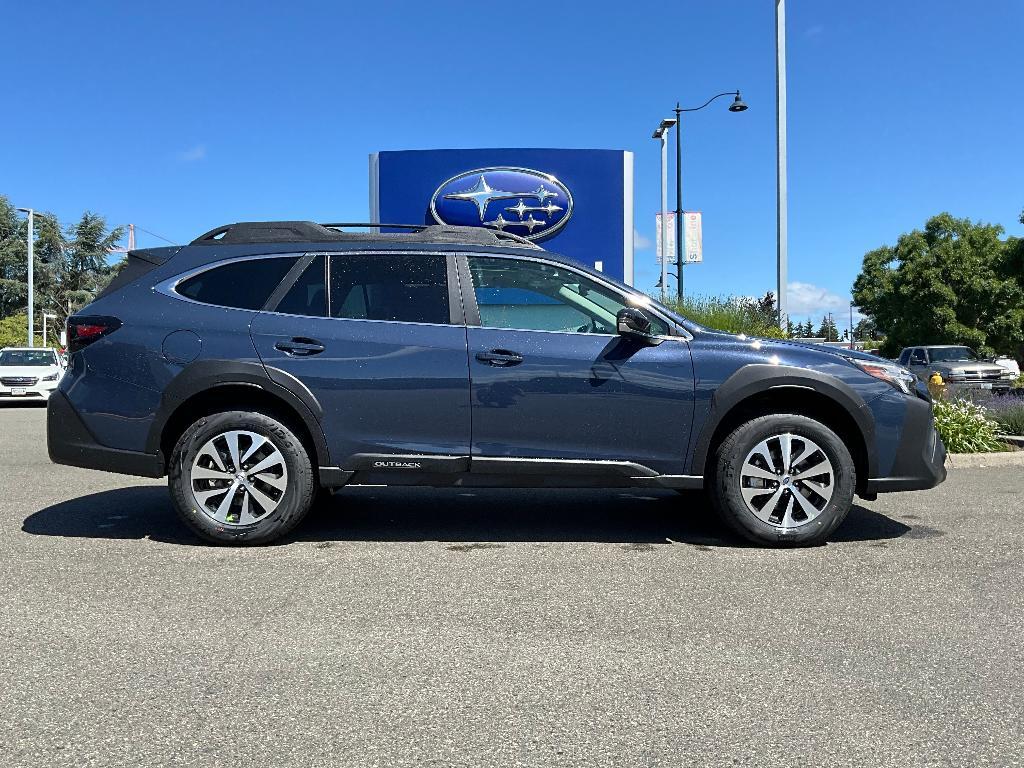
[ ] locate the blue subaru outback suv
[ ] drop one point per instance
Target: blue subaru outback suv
(265, 361)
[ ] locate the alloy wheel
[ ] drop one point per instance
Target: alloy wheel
(238, 478)
(786, 480)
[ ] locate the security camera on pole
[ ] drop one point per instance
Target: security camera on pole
(661, 133)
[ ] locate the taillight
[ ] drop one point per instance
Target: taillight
(83, 330)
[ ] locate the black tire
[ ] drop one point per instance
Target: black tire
(293, 504)
(727, 496)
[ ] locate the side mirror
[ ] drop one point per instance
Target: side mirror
(634, 324)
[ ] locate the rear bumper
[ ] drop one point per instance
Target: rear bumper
(921, 457)
(70, 442)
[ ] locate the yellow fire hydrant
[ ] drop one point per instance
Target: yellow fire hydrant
(936, 385)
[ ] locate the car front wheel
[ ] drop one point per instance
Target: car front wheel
(241, 478)
(783, 480)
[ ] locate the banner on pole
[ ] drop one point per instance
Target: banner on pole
(693, 238)
(670, 249)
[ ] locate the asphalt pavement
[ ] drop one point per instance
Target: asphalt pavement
(502, 628)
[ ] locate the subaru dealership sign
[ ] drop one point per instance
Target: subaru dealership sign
(578, 202)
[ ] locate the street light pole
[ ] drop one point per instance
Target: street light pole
(782, 234)
(851, 326)
(736, 106)
(679, 207)
(664, 214)
(31, 276)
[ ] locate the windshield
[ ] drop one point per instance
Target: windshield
(27, 357)
(952, 354)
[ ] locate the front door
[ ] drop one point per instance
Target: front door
(551, 378)
(380, 342)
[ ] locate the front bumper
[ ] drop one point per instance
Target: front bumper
(69, 441)
(920, 458)
(40, 391)
(975, 385)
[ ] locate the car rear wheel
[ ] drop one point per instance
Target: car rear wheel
(783, 480)
(241, 478)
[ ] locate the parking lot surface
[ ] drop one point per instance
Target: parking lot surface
(499, 628)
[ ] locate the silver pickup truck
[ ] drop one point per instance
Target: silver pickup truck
(958, 366)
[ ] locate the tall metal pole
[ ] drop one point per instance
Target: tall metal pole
(782, 245)
(679, 205)
(664, 214)
(31, 276)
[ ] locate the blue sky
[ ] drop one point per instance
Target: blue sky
(179, 117)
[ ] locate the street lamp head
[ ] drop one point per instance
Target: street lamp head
(26, 210)
(737, 104)
(667, 123)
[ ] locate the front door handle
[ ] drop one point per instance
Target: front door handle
(300, 347)
(500, 358)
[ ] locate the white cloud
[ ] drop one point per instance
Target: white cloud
(192, 154)
(809, 300)
(641, 243)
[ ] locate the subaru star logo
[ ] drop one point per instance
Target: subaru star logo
(517, 200)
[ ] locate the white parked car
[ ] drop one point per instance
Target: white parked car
(27, 373)
(1009, 364)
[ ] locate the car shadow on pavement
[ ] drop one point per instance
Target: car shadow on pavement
(447, 515)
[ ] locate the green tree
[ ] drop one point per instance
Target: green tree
(827, 330)
(80, 268)
(69, 268)
(955, 282)
(14, 258)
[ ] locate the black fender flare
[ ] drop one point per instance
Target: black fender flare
(207, 375)
(757, 378)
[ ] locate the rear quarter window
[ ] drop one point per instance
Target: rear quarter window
(241, 284)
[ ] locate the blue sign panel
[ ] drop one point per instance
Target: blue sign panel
(578, 202)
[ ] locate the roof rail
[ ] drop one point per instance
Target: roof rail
(378, 225)
(496, 234)
(244, 232)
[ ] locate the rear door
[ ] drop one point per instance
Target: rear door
(380, 342)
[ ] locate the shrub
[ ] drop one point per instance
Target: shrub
(1008, 413)
(727, 313)
(965, 427)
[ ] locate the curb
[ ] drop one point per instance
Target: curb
(971, 460)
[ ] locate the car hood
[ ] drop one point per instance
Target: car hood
(835, 351)
(30, 371)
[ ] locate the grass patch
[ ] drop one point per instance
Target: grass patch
(731, 314)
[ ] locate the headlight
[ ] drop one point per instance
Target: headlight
(51, 377)
(899, 377)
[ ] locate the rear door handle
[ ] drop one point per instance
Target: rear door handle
(300, 347)
(500, 358)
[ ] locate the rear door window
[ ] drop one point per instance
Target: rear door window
(308, 296)
(409, 288)
(245, 284)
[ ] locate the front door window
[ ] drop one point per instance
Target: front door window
(532, 296)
